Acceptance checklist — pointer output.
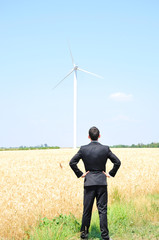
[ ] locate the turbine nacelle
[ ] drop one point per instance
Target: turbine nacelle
(75, 67)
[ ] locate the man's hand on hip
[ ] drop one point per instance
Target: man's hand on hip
(84, 174)
(107, 174)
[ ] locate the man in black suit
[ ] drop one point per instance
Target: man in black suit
(94, 156)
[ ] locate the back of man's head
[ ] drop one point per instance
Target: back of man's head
(94, 133)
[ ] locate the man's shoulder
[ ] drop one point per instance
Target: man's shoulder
(84, 146)
(94, 143)
(106, 147)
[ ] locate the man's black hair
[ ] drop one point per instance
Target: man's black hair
(94, 133)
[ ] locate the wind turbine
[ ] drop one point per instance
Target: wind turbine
(74, 69)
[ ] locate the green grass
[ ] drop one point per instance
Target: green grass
(128, 220)
(62, 227)
(126, 223)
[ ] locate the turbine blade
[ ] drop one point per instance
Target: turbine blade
(63, 79)
(71, 55)
(98, 76)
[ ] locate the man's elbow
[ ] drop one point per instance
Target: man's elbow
(119, 163)
(70, 164)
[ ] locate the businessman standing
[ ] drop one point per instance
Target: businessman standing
(94, 156)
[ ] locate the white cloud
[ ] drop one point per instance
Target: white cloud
(122, 97)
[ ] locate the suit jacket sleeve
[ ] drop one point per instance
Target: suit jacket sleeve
(113, 158)
(73, 164)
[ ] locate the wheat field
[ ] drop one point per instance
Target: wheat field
(39, 183)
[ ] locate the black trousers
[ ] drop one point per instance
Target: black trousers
(100, 193)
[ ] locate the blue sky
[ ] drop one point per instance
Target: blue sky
(115, 39)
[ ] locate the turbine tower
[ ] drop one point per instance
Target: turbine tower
(74, 69)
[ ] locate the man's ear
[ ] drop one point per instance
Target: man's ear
(89, 137)
(99, 136)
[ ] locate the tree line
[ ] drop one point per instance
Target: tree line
(42, 146)
(45, 146)
(139, 145)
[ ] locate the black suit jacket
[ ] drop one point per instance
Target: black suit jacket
(94, 156)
